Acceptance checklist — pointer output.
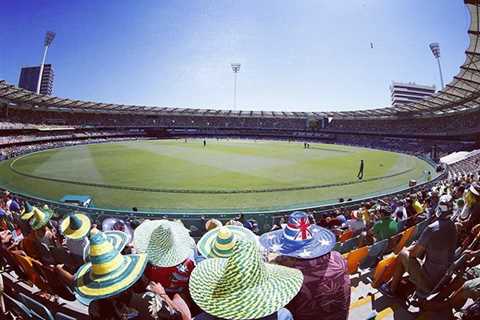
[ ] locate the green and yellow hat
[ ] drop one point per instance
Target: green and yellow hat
(27, 211)
(166, 243)
(243, 286)
(118, 239)
(108, 273)
(219, 242)
(75, 226)
(40, 218)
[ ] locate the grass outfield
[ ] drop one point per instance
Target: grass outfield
(225, 175)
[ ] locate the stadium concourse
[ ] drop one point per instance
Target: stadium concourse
(409, 255)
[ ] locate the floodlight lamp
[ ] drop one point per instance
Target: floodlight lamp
(49, 36)
(435, 47)
(236, 67)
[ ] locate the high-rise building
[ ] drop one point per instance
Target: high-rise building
(29, 79)
(409, 92)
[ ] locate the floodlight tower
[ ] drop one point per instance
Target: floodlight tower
(49, 36)
(236, 69)
(435, 47)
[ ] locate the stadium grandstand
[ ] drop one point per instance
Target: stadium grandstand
(409, 252)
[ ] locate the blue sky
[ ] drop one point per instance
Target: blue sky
(306, 55)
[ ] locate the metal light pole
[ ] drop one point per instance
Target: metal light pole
(236, 69)
(49, 36)
(435, 47)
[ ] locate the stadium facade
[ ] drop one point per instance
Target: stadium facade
(403, 93)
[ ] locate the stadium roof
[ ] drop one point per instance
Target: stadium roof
(460, 95)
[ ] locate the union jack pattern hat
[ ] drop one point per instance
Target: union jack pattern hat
(299, 238)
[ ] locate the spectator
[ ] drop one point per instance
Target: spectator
(356, 224)
(471, 210)
(326, 288)
(386, 226)
(76, 228)
(40, 234)
(400, 213)
(437, 243)
(212, 224)
(170, 251)
(124, 294)
(243, 287)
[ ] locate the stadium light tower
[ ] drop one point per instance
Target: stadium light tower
(236, 69)
(49, 36)
(435, 47)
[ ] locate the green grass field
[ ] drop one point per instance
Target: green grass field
(223, 166)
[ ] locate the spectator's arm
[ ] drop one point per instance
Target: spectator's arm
(416, 251)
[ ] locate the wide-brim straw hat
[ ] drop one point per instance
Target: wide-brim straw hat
(166, 243)
(40, 218)
(243, 286)
(75, 226)
(108, 273)
(219, 242)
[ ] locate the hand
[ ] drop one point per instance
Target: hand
(157, 288)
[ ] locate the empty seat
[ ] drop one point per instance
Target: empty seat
(346, 236)
(355, 257)
(349, 245)
(375, 253)
(384, 270)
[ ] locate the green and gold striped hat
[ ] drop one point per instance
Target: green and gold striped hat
(219, 242)
(27, 211)
(166, 243)
(40, 218)
(75, 226)
(108, 273)
(243, 286)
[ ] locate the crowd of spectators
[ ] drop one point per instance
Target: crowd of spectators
(463, 123)
(153, 269)
(12, 146)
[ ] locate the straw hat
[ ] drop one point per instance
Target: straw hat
(219, 242)
(40, 218)
(75, 226)
(166, 243)
(299, 238)
(243, 286)
(108, 273)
